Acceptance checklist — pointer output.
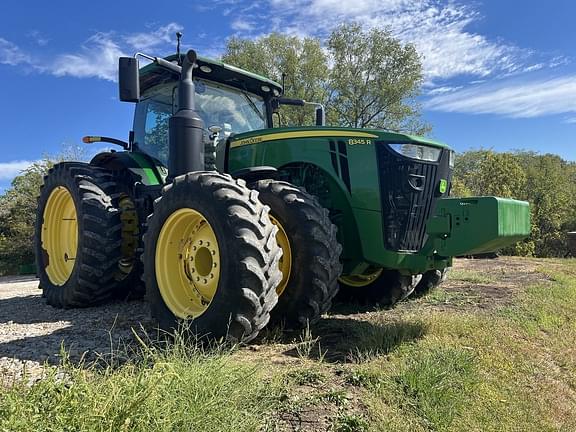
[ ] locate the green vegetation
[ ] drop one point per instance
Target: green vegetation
(365, 78)
(18, 211)
(17, 216)
(507, 368)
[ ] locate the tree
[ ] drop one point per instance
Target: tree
(374, 80)
(303, 62)
(365, 78)
(17, 217)
(18, 210)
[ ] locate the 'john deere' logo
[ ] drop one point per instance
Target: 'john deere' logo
(251, 140)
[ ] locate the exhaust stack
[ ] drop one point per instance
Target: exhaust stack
(185, 139)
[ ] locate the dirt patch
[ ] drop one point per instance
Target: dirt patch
(487, 284)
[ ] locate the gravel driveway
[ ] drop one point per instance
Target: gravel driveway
(32, 333)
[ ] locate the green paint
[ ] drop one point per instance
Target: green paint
(467, 226)
(146, 170)
(491, 223)
(443, 186)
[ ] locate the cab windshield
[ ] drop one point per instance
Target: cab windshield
(231, 109)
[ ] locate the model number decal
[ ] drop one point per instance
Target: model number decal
(359, 141)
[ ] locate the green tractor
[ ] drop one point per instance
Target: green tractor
(229, 224)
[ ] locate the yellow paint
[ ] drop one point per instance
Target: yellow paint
(301, 134)
(187, 263)
(360, 280)
(59, 235)
(286, 260)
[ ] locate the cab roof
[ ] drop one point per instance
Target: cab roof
(214, 70)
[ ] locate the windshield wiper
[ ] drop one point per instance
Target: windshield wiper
(253, 105)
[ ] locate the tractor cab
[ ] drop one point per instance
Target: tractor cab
(228, 100)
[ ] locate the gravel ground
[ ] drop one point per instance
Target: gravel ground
(32, 333)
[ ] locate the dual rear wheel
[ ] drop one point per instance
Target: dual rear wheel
(218, 260)
(84, 254)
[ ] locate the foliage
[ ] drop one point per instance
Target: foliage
(17, 217)
(364, 78)
(546, 181)
(18, 211)
(302, 61)
(374, 81)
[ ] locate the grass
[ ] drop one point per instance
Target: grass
(410, 369)
(471, 276)
(181, 388)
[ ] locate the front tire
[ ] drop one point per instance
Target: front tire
(430, 280)
(311, 254)
(377, 287)
(211, 258)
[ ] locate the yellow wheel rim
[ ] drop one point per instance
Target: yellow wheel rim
(187, 263)
(360, 280)
(286, 260)
(59, 235)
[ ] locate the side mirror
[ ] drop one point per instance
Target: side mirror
(129, 79)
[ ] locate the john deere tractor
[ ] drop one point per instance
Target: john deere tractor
(229, 223)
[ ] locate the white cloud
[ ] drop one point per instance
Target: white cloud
(38, 38)
(9, 170)
(440, 30)
(241, 25)
(163, 35)
(443, 90)
(520, 99)
(97, 58)
(11, 54)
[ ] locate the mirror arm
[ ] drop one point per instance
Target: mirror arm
(161, 62)
(89, 139)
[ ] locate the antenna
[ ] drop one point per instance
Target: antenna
(178, 37)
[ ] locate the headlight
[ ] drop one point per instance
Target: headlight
(415, 151)
(452, 158)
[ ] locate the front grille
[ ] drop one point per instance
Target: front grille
(408, 191)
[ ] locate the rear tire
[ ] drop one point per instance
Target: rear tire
(78, 236)
(386, 289)
(311, 281)
(238, 267)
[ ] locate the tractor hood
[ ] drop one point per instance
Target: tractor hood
(354, 136)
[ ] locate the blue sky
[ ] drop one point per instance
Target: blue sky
(498, 74)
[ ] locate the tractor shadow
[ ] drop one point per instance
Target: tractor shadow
(338, 339)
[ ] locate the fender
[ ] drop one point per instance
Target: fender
(148, 171)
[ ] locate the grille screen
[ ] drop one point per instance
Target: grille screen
(408, 190)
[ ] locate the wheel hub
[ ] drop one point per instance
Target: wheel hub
(187, 263)
(60, 235)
